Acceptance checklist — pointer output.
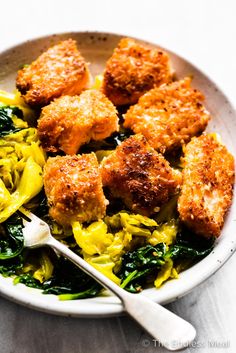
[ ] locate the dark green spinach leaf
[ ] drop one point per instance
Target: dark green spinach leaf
(6, 124)
(12, 266)
(67, 281)
(138, 264)
(189, 245)
(12, 239)
(28, 280)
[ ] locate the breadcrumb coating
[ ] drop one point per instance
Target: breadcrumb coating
(168, 116)
(59, 71)
(132, 70)
(69, 122)
(207, 189)
(140, 176)
(73, 186)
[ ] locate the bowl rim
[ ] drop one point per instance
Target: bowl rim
(105, 305)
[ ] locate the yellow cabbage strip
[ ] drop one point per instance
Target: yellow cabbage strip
(121, 243)
(5, 195)
(44, 272)
(30, 184)
(39, 265)
(19, 123)
(11, 98)
(15, 149)
(94, 241)
(167, 271)
(103, 249)
(130, 230)
(100, 154)
(104, 264)
(21, 162)
(16, 99)
(103, 243)
(97, 82)
(165, 233)
(135, 224)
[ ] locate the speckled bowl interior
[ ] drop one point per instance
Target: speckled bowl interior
(96, 48)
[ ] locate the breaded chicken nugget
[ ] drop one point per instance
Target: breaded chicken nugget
(168, 116)
(132, 70)
(69, 122)
(207, 189)
(73, 186)
(58, 71)
(140, 176)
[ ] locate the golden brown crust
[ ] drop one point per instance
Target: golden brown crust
(58, 71)
(69, 122)
(132, 70)
(73, 186)
(207, 190)
(140, 176)
(168, 116)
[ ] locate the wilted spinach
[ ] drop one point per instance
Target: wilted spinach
(136, 265)
(6, 123)
(191, 246)
(12, 266)
(12, 240)
(67, 281)
(28, 280)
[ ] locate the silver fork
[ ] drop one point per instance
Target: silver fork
(170, 330)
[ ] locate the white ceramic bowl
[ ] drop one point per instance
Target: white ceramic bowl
(96, 48)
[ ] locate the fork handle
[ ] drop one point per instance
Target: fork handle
(173, 332)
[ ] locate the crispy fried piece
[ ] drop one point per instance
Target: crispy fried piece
(140, 176)
(132, 70)
(58, 71)
(207, 190)
(168, 116)
(73, 186)
(69, 122)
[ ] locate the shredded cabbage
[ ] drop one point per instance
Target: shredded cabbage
(167, 271)
(40, 267)
(94, 239)
(100, 154)
(5, 195)
(94, 242)
(165, 233)
(15, 98)
(30, 184)
(21, 162)
(104, 264)
(135, 224)
(103, 243)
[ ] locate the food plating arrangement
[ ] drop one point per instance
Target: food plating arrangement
(118, 165)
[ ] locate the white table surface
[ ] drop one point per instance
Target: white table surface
(203, 31)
